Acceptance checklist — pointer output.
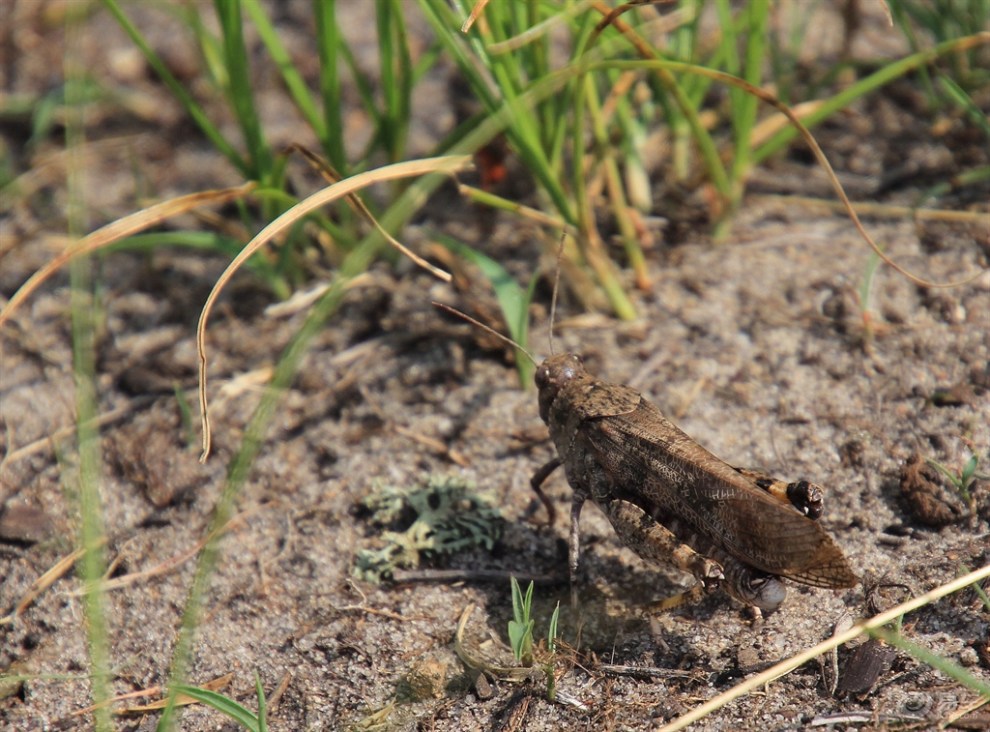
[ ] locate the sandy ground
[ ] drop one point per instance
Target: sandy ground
(756, 347)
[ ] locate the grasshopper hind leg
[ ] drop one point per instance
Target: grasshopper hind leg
(655, 542)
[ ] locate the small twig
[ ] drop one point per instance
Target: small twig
(374, 611)
(824, 720)
(472, 575)
(169, 564)
(276, 696)
(52, 575)
(646, 672)
(46, 443)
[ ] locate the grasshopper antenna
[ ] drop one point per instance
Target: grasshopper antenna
(464, 316)
(556, 287)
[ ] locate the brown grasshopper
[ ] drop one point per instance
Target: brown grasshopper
(670, 500)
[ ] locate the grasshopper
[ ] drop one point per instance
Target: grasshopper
(669, 499)
(672, 501)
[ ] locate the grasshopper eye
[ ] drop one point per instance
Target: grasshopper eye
(542, 377)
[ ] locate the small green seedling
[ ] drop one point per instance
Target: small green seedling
(964, 481)
(552, 646)
(521, 625)
(521, 634)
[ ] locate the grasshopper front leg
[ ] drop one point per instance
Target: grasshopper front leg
(536, 482)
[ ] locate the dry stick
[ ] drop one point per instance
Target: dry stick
(436, 445)
(169, 565)
(214, 685)
(64, 565)
(181, 699)
(276, 696)
(448, 165)
(47, 443)
(788, 665)
(52, 575)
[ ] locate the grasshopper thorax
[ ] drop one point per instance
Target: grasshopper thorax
(553, 374)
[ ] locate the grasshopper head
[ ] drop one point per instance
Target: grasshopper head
(552, 374)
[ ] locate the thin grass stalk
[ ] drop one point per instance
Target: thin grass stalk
(328, 43)
(524, 131)
(589, 241)
(928, 19)
(519, 127)
(864, 86)
(209, 45)
(240, 92)
(685, 43)
(395, 67)
(684, 104)
(616, 192)
(86, 483)
(561, 104)
(539, 64)
(86, 480)
(294, 83)
(787, 665)
(744, 107)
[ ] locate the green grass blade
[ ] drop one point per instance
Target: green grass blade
(262, 704)
(84, 484)
(396, 68)
(328, 43)
(356, 262)
(294, 82)
(864, 86)
(208, 242)
(517, 604)
(745, 105)
(223, 704)
(944, 665)
(240, 92)
(553, 631)
(966, 103)
(515, 104)
(512, 299)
